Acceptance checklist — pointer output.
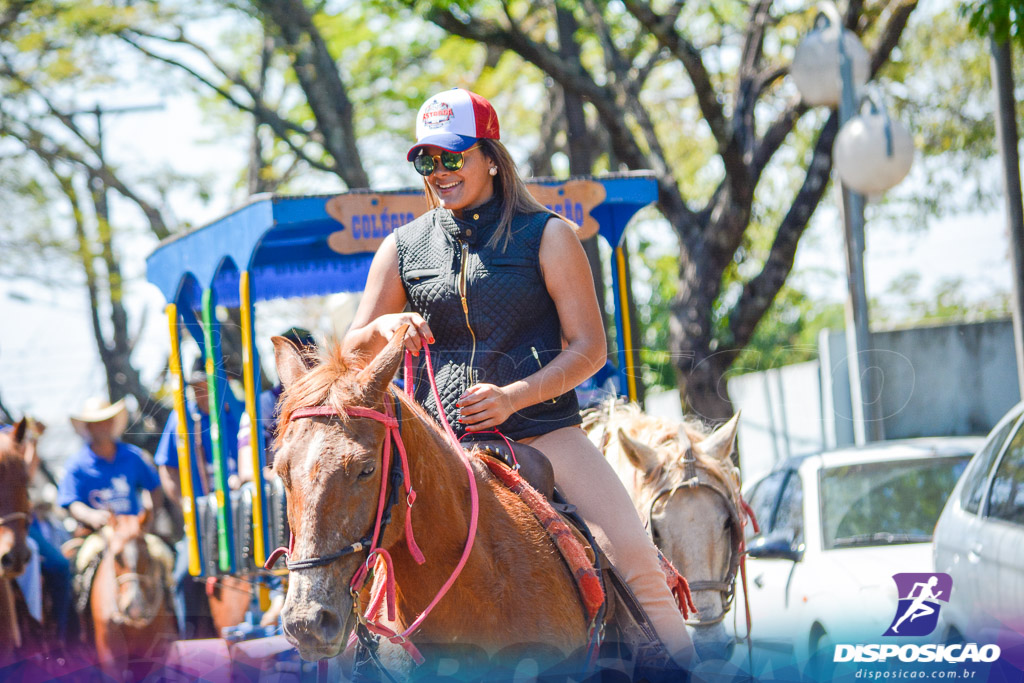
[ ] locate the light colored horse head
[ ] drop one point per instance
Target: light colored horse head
(684, 486)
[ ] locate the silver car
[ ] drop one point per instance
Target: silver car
(979, 540)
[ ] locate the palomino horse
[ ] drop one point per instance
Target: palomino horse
(14, 520)
(687, 491)
(467, 534)
(129, 602)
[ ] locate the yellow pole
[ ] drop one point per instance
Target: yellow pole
(249, 373)
(627, 332)
(184, 446)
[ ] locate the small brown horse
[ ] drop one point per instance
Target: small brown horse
(14, 520)
(514, 591)
(686, 490)
(130, 606)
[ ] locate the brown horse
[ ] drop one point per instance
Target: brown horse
(14, 520)
(513, 592)
(129, 603)
(685, 488)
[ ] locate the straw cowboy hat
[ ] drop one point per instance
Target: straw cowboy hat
(98, 409)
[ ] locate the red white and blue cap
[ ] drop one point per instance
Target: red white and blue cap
(454, 120)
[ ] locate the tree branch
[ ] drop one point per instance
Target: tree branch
(317, 73)
(570, 75)
(774, 137)
(711, 108)
(759, 293)
(747, 89)
(11, 13)
(891, 35)
(282, 128)
(102, 169)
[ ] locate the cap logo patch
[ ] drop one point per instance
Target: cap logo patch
(437, 114)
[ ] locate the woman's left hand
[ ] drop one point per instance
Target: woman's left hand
(484, 406)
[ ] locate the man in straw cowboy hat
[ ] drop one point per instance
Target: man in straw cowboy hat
(104, 477)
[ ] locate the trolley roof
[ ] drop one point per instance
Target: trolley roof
(295, 246)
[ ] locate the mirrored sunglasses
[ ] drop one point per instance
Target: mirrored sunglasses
(426, 164)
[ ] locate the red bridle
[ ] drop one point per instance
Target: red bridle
(371, 542)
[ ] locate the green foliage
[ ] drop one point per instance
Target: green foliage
(1001, 19)
(655, 283)
(788, 333)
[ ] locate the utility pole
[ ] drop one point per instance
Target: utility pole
(864, 393)
(1006, 129)
(115, 358)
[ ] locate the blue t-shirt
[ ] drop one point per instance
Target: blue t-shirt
(108, 485)
(167, 450)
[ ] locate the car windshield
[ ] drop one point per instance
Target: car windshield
(884, 503)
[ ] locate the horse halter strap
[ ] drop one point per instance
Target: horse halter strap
(6, 520)
(397, 472)
(371, 542)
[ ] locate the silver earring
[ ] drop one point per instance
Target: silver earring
(493, 171)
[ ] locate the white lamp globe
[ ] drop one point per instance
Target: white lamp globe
(815, 67)
(873, 152)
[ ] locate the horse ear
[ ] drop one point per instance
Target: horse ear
(288, 358)
(143, 518)
(376, 376)
(642, 456)
(719, 443)
(20, 429)
(683, 438)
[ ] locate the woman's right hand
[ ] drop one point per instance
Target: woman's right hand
(417, 333)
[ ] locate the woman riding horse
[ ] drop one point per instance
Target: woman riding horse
(501, 289)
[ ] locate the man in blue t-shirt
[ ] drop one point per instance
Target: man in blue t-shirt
(200, 443)
(104, 478)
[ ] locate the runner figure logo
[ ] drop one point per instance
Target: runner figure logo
(918, 610)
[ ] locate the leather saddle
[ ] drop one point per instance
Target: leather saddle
(534, 466)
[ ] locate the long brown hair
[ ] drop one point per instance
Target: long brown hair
(508, 187)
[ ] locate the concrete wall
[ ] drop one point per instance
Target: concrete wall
(940, 380)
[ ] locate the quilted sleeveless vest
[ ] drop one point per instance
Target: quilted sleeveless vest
(492, 317)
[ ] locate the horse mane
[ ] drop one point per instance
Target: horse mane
(331, 381)
(661, 434)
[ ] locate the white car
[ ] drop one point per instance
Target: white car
(979, 541)
(835, 528)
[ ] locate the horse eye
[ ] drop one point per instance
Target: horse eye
(367, 471)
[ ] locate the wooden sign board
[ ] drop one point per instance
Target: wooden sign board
(369, 218)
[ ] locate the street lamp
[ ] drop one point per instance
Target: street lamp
(829, 67)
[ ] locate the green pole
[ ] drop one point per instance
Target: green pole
(225, 544)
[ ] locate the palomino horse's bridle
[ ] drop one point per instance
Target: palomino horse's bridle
(694, 476)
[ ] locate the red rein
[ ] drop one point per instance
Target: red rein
(386, 591)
